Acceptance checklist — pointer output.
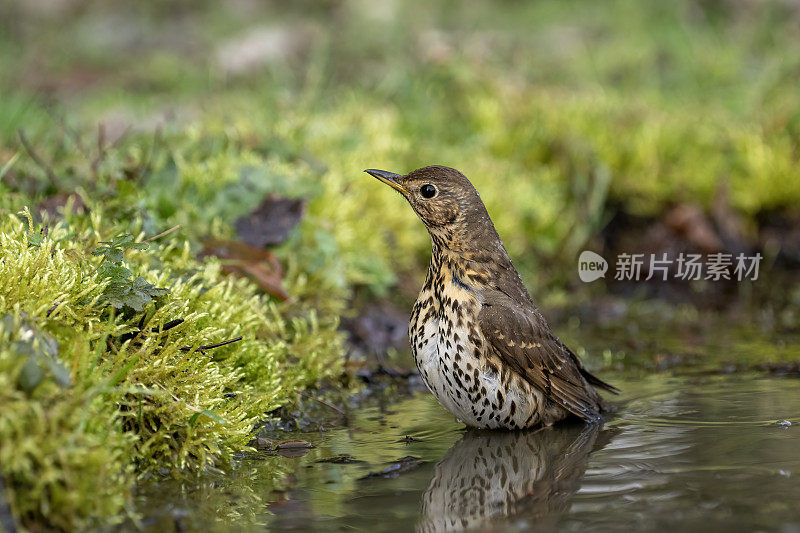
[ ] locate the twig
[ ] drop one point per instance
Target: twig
(323, 402)
(163, 233)
(36, 159)
(133, 334)
(223, 343)
(55, 306)
(212, 346)
(169, 325)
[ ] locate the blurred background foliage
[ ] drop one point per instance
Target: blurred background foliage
(136, 117)
(563, 113)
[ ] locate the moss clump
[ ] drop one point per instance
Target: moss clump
(64, 456)
(93, 397)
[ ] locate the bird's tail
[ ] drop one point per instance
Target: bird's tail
(597, 382)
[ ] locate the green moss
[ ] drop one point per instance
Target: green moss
(59, 444)
(144, 404)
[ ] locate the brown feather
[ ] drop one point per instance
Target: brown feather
(521, 339)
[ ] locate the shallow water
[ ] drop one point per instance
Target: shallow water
(682, 453)
(687, 454)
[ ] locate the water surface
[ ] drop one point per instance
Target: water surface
(708, 453)
(719, 453)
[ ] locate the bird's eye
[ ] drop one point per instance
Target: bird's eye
(427, 191)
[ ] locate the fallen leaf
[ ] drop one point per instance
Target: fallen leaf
(266, 278)
(243, 259)
(271, 222)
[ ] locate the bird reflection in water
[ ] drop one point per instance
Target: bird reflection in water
(491, 477)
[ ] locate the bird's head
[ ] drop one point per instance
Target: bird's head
(445, 201)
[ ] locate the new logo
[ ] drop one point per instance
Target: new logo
(591, 266)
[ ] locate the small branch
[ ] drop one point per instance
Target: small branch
(223, 343)
(163, 233)
(55, 306)
(169, 325)
(202, 349)
(36, 159)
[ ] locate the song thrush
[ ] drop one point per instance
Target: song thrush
(481, 345)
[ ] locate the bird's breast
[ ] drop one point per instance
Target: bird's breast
(458, 365)
(448, 344)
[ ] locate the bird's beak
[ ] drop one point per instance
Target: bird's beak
(389, 178)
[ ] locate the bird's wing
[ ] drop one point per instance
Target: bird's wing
(523, 341)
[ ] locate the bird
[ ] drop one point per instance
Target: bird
(490, 480)
(481, 345)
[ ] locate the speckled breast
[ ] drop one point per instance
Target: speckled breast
(459, 368)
